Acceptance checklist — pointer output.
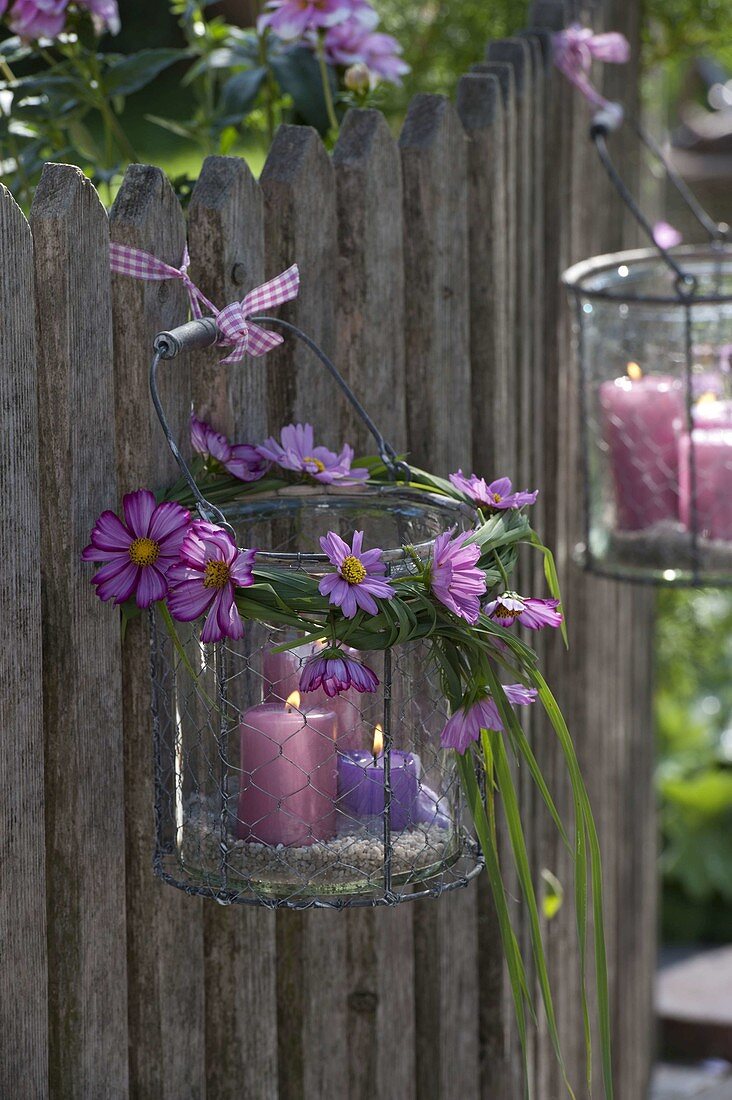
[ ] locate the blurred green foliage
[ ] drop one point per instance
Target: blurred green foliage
(694, 724)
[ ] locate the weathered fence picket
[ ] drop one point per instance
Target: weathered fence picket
(429, 270)
(82, 702)
(23, 972)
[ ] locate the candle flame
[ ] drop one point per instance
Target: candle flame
(707, 398)
(293, 701)
(378, 741)
(634, 371)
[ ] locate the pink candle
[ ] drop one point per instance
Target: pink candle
(713, 470)
(639, 426)
(282, 677)
(288, 786)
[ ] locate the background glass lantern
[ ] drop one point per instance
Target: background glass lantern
(654, 340)
(265, 795)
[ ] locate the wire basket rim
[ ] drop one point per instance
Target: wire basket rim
(248, 509)
(575, 276)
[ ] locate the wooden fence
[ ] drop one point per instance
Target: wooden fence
(430, 267)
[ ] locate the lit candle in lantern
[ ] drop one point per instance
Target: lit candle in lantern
(640, 415)
(712, 514)
(361, 787)
(288, 781)
(281, 673)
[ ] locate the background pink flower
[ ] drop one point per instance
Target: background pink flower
(239, 459)
(38, 18)
(464, 726)
(137, 555)
(498, 496)
(210, 568)
(527, 610)
(335, 672)
(104, 13)
(292, 19)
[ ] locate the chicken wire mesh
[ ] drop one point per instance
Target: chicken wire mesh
(656, 414)
(267, 797)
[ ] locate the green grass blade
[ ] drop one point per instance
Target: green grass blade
(512, 815)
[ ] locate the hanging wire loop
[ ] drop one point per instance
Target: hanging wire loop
(203, 333)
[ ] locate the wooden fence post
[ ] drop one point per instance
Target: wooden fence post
(164, 926)
(439, 416)
(370, 339)
(226, 238)
(300, 225)
(23, 973)
(81, 654)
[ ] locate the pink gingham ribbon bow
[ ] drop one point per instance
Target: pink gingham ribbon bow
(576, 47)
(234, 321)
(141, 265)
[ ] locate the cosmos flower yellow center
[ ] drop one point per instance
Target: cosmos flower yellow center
(353, 570)
(216, 574)
(310, 461)
(497, 498)
(144, 551)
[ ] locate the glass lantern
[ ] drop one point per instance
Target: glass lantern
(656, 413)
(265, 795)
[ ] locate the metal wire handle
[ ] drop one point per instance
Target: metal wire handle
(604, 123)
(203, 333)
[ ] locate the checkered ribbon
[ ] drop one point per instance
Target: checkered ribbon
(141, 265)
(233, 321)
(235, 326)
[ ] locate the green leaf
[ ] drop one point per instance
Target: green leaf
(298, 75)
(240, 91)
(136, 71)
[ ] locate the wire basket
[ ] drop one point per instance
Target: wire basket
(265, 795)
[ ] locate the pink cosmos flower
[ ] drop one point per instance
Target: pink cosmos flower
(494, 497)
(574, 51)
(3, 6)
(334, 672)
(104, 13)
(33, 19)
(358, 578)
(239, 459)
(137, 554)
(456, 580)
(464, 726)
(530, 612)
(354, 42)
(296, 451)
(292, 19)
(210, 567)
(665, 235)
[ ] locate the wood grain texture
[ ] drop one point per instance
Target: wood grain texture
(434, 165)
(437, 325)
(370, 326)
(370, 323)
(301, 226)
(23, 973)
(85, 869)
(164, 926)
(481, 110)
(226, 239)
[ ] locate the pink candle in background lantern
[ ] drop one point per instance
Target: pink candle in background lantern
(288, 786)
(640, 415)
(713, 480)
(281, 673)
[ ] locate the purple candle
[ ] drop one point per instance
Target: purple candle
(361, 788)
(288, 784)
(713, 480)
(640, 416)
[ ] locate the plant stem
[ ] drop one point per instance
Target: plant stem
(327, 93)
(270, 88)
